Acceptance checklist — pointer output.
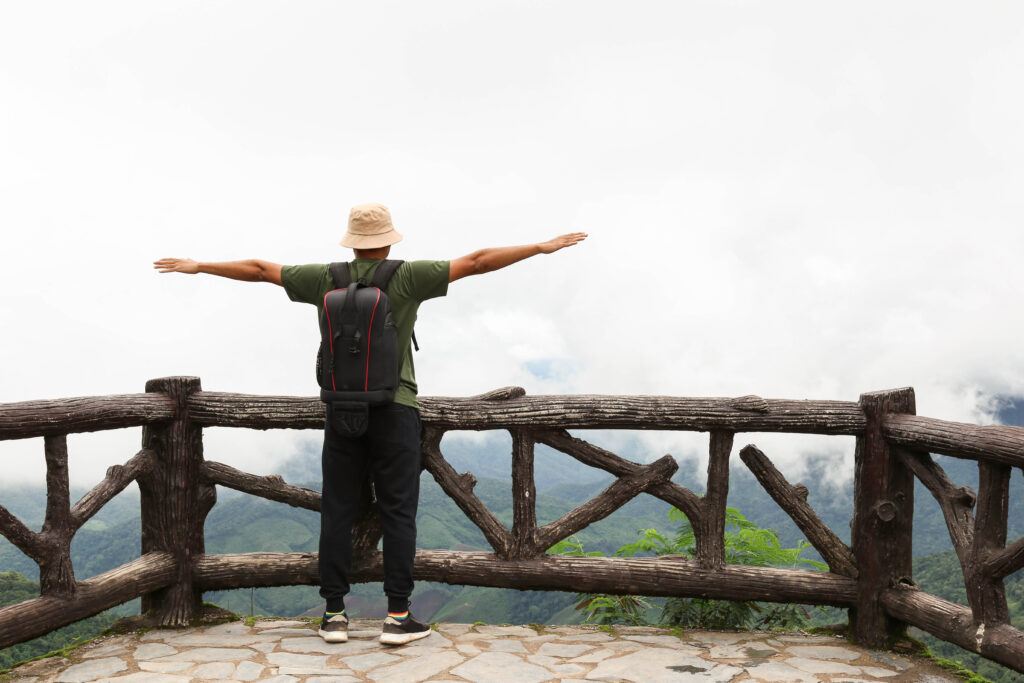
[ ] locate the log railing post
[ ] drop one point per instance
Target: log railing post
(987, 593)
(56, 574)
(883, 500)
(175, 499)
(524, 497)
(710, 526)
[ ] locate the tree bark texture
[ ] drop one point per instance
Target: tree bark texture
(33, 618)
(654, 576)
(23, 538)
(29, 419)
(175, 500)
(709, 529)
(1003, 563)
(882, 519)
(222, 409)
(955, 624)
(744, 414)
(118, 477)
(986, 593)
(992, 443)
(956, 503)
(501, 394)
(271, 487)
(524, 498)
(793, 500)
(56, 575)
(50, 548)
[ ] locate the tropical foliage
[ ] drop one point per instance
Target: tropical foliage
(745, 543)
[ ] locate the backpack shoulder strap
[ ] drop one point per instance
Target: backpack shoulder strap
(340, 274)
(382, 276)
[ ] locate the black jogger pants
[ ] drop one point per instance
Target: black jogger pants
(389, 452)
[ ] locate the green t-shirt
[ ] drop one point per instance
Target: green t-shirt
(413, 283)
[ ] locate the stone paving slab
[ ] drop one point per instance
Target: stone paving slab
(289, 651)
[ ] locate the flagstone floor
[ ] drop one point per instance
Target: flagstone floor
(290, 651)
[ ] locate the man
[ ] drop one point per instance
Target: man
(390, 448)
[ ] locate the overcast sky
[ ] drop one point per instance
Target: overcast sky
(789, 199)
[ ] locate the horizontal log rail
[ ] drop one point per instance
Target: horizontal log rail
(655, 576)
(33, 618)
(30, 419)
(251, 411)
(893, 446)
(990, 443)
(744, 414)
(954, 623)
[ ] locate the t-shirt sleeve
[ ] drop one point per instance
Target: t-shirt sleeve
(422, 280)
(304, 283)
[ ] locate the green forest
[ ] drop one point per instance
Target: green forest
(15, 588)
(242, 523)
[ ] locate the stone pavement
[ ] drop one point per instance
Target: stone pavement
(290, 651)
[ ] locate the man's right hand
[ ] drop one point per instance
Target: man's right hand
(177, 265)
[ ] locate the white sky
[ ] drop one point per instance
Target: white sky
(791, 199)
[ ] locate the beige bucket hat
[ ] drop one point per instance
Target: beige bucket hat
(369, 227)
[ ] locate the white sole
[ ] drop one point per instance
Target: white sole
(402, 638)
(334, 636)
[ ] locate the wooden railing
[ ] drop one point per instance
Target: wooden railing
(872, 576)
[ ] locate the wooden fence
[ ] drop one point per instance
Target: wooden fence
(872, 576)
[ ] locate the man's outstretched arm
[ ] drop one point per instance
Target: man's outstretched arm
(487, 260)
(252, 270)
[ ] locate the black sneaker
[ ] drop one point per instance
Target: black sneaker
(402, 631)
(335, 629)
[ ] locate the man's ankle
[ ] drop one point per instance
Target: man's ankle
(398, 605)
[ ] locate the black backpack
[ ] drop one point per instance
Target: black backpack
(357, 365)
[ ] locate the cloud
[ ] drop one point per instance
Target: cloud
(799, 201)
